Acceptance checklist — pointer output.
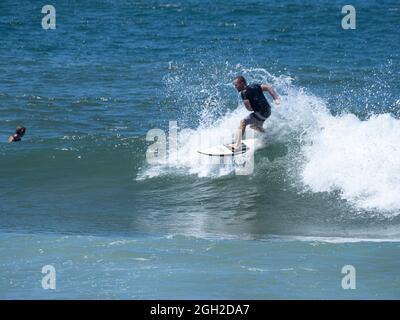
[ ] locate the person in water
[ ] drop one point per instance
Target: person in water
(255, 101)
(19, 133)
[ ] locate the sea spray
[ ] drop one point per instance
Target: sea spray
(359, 159)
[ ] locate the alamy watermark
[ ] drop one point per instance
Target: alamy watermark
(169, 149)
(49, 20)
(349, 280)
(349, 20)
(49, 278)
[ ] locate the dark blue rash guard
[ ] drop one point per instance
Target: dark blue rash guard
(255, 95)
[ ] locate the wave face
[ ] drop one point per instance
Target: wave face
(315, 172)
(360, 159)
(356, 159)
(328, 165)
(79, 193)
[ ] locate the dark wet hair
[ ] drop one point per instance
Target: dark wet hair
(20, 130)
(241, 79)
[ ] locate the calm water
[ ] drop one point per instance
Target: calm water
(78, 193)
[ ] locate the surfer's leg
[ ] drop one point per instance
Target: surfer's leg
(240, 134)
(257, 124)
(249, 120)
(259, 119)
(258, 127)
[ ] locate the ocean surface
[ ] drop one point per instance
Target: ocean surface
(79, 192)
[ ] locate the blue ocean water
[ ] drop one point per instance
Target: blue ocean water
(79, 194)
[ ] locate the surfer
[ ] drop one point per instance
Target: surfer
(255, 101)
(19, 133)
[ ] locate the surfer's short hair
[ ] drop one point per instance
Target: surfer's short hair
(241, 79)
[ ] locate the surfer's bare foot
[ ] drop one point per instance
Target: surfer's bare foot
(234, 147)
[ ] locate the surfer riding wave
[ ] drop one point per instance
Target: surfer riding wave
(255, 101)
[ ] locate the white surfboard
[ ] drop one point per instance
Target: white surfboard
(226, 150)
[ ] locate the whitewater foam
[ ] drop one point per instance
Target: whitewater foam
(186, 160)
(358, 159)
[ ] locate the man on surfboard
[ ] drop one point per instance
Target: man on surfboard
(255, 101)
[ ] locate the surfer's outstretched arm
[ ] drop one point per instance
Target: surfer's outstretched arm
(271, 91)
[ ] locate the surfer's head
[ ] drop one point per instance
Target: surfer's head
(240, 83)
(20, 131)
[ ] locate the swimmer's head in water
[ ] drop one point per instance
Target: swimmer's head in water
(20, 131)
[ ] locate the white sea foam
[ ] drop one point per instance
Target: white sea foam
(359, 159)
(315, 240)
(187, 160)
